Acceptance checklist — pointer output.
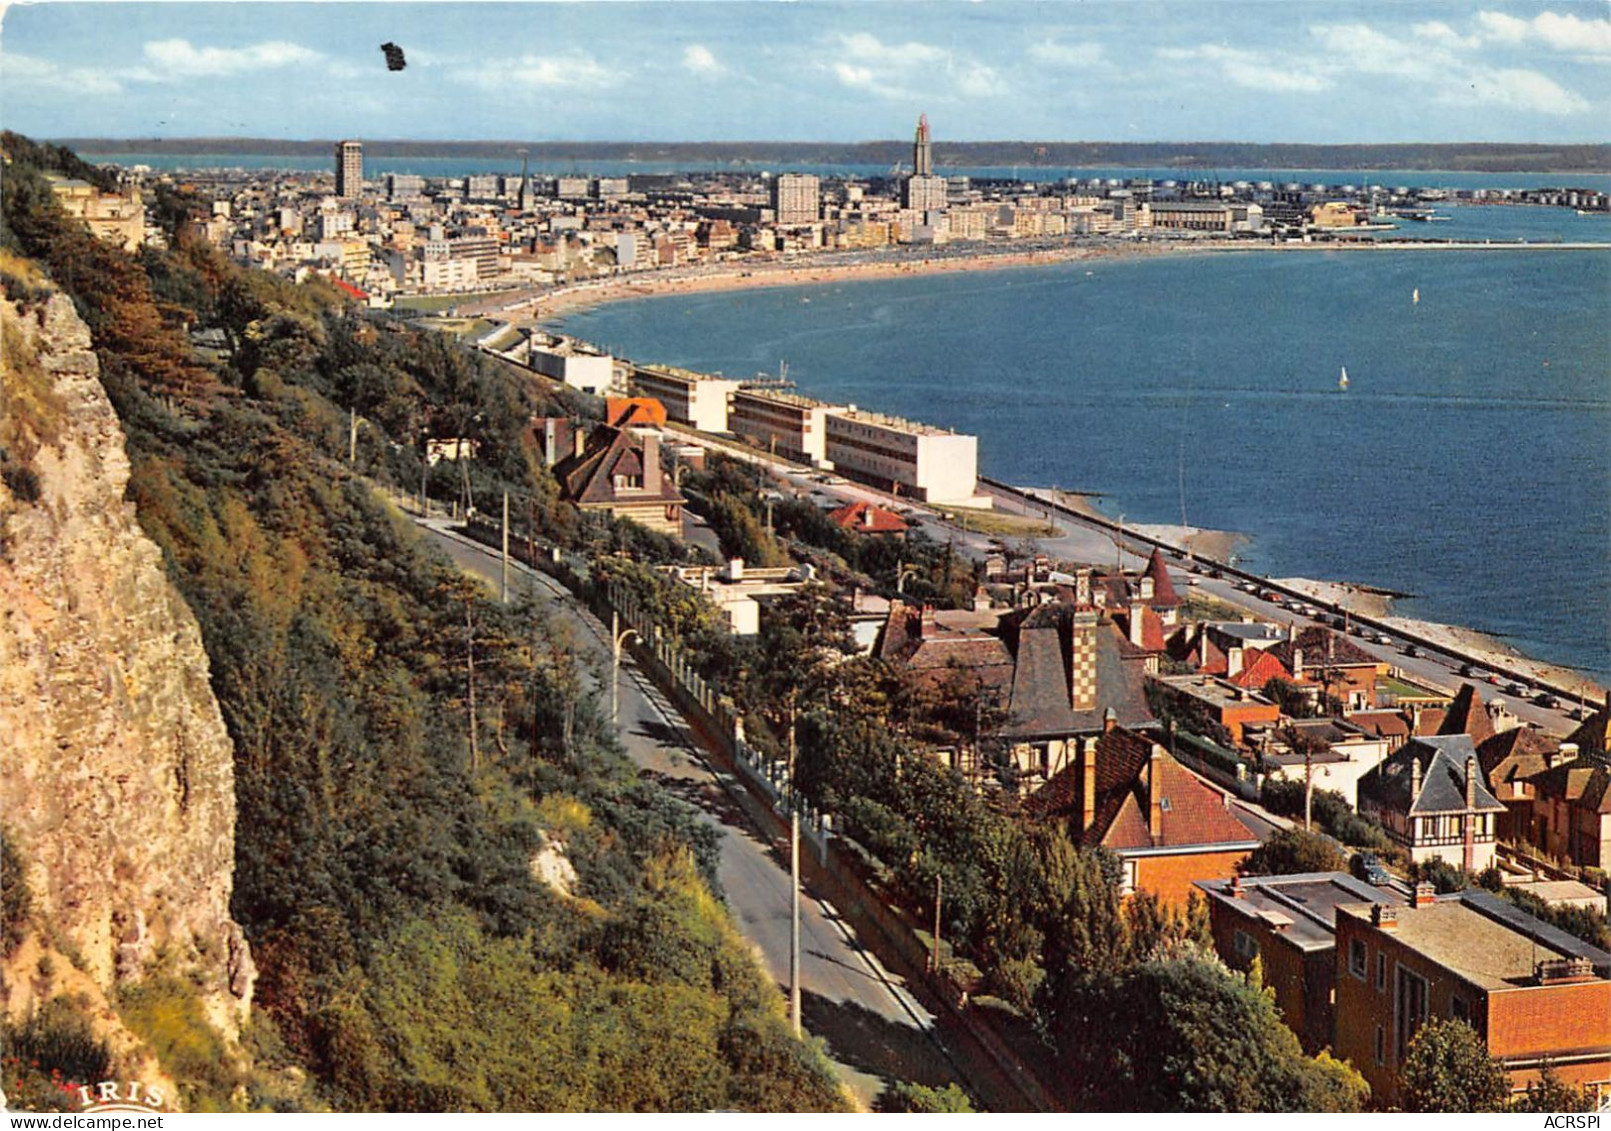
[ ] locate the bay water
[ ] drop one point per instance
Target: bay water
(1468, 462)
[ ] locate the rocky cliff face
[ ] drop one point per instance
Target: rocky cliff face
(118, 776)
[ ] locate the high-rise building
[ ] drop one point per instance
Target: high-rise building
(922, 151)
(796, 198)
(923, 191)
(349, 169)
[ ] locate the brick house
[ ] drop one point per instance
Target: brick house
(1328, 663)
(617, 471)
(1289, 924)
(1124, 792)
(1572, 809)
(1431, 799)
(1510, 760)
(1535, 994)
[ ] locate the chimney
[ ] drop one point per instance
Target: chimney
(1110, 720)
(1297, 663)
(1137, 628)
(926, 620)
(1202, 648)
(1471, 784)
(551, 441)
(1469, 822)
(1425, 895)
(651, 460)
(1233, 661)
(735, 569)
(1236, 887)
(1415, 779)
(578, 441)
(1155, 793)
(1082, 588)
(1082, 696)
(1384, 916)
(1568, 752)
(1087, 757)
(867, 517)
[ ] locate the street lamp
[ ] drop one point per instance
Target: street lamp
(906, 571)
(619, 636)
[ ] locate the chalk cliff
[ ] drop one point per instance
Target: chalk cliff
(118, 775)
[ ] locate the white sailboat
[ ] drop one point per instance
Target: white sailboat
(1415, 296)
(1342, 382)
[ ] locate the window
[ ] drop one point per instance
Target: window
(1460, 1009)
(1381, 1045)
(1409, 1009)
(1128, 885)
(1356, 958)
(1246, 947)
(1381, 971)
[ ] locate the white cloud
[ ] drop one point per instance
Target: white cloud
(576, 70)
(975, 80)
(1356, 47)
(1251, 70)
(179, 58)
(867, 79)
(1523, 90)
(871, 50)
(1568, 33)
(1069, 54)
(27, 70)
(1442, 34)
(699, 59)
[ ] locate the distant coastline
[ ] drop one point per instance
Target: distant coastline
(1207, 157)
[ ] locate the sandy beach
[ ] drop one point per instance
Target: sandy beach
(538, 305)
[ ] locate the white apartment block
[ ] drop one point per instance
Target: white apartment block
(917, 460)
(797, 198)
(571, 363)
(784, 424)
(695, 399)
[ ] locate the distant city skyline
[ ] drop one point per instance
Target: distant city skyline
(1147, 70)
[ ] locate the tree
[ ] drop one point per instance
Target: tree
(1448, 1069)
(1550, 1093)
(920, 1099)
(1291, 851)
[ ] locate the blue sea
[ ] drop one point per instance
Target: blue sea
(1469, 462)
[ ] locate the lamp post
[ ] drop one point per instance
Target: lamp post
(794, 887)
(619, 636)
(905, 572)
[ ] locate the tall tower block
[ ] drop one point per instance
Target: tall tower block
(922, 152)
(349, 169)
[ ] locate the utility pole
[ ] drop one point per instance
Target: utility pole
(503, 581)
(618, 635)
(352, 435)
(794, 888)
(939, 896)
(425, 465)
(1118, 544)
(469, 667)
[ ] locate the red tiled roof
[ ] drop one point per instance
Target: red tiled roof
(619, 412)
(1323, 647)
(1260, 668)
(867, 518)
(1163, 590)
(1152, 629)
(1193, 813)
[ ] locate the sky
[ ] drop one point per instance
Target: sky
(671, 70)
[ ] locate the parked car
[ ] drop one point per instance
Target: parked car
(1411, 650)
(1371, 871)
(1546, 700)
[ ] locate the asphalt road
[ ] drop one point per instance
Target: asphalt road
(873, 1028)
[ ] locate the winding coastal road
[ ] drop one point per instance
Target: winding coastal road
(874, 1028)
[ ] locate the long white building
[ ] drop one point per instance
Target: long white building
(577, 365)
(932, 464)
(784, 424)
(696, 399)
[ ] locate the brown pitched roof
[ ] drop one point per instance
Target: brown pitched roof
(1467, 715)
(1383, 724)
(1583, 783)
(1163, 590)
(1594, 735)
(866, 518)
(1152, 629)
(1192, 813)
(1323, 647)
(590, 477)
(1516, 754)
(915, 641)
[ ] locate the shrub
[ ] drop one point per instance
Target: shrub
(16, 901)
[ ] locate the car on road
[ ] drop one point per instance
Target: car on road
(1546, 700)
(1411, 650)
(1467, 670)
(1514, 688)
(1383, 638)
(1371, 870)
(1577, 713)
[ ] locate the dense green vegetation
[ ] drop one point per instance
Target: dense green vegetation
(387, 828)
